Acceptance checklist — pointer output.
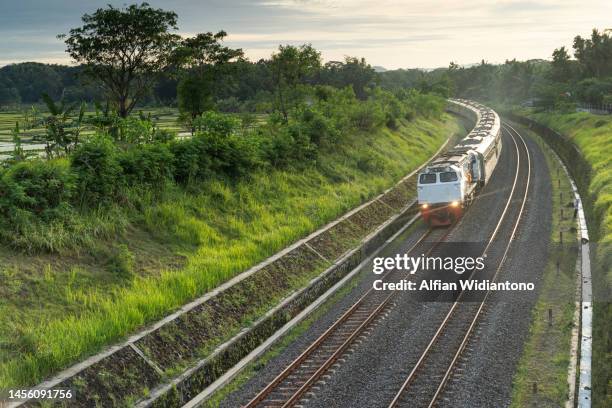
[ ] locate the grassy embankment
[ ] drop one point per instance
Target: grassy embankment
(57, 308)
(592, 134)
(547, 352)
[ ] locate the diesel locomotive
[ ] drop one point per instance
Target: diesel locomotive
(448, 185)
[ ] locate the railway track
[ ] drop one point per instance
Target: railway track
(425, 384)
(290, 386)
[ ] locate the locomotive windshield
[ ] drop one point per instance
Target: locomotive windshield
(448, 176)
(427, 178)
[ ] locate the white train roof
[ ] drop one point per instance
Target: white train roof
(479, 139)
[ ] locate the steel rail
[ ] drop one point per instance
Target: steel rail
(465, 340)
(271, 387)
(411, 377)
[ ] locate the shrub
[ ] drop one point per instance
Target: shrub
(36, 188)
(135, 130)
(593, 90)
(189, 160)
(324, 92)
(288, 146)
(391, 105)
(231, 155)
(337, 104)
(163, 136)
(320, 129)
(430, 106)
(277, 149)
(150, 165)
(216, 124)
(393, 111)
(98, 170)
(390, 121)
(208, 153)
(416, 103)
(367, 116)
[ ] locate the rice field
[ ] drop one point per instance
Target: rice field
(31, 129)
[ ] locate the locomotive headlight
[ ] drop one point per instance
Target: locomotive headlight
(425, 206)
(455, 204)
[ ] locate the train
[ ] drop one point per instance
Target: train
(449, 183)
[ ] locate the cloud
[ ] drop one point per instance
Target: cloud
(390, 33)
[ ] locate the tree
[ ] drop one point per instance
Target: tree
(398, 79)
(354, 72)
(514, 80)
(594, 54)
(248, 80)
(125, 49)
(204, 59)
(561, 66)
(193, 96)
(593, 90)
(290, 66)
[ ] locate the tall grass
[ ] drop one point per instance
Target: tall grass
(222, 229)
(593, 136)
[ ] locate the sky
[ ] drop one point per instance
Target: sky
(388, 33)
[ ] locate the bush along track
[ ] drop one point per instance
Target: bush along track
(546, 357)
(583, 141)
(171, 242)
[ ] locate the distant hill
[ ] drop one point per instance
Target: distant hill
(25, 83)
(378, 68)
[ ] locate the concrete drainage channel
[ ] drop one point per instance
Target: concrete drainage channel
(138, 371)
(582, 398)
(584, 312)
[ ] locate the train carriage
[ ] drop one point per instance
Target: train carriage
(448, 185)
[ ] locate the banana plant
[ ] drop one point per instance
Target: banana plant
(62, 129)
(18, 154)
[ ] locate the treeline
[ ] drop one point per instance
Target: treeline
(26, 82)
(560, 83)
(245, 86)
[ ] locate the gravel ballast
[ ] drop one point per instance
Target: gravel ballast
(371, 375)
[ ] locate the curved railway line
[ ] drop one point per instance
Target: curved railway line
(425, 384)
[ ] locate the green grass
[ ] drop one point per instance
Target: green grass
(593, 136)
(545, 359)
(57, 309)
